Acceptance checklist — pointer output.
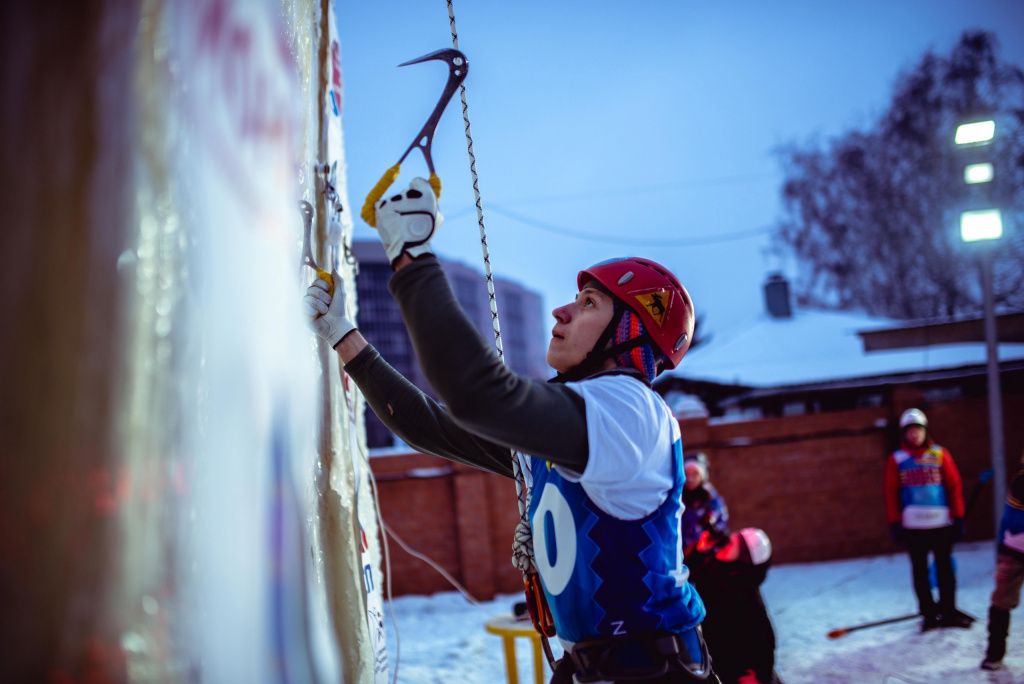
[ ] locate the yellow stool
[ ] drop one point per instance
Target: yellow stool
(508, 628)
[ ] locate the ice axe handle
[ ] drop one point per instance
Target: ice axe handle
(326, 277)
(369, 212)
(376, 192)
(307, 250)
(435, 183)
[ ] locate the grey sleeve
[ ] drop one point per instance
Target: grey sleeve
(418, 419)
(482, 395)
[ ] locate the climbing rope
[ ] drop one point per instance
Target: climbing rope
(522, 542)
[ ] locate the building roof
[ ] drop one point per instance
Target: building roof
(1009, 328)
(817, 346)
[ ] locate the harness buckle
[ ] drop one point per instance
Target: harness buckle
(640, 658)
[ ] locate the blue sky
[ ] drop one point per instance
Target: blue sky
(632, 122)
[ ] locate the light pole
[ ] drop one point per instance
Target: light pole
(985, 224)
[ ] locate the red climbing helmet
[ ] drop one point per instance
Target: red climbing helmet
(655, 295)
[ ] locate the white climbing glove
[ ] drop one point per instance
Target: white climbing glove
(327, 313)
(408, 220)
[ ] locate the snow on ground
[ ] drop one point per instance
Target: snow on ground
(443, 639)
(808, 600)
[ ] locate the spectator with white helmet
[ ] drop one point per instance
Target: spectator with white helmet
(925, 507)
(705, 507)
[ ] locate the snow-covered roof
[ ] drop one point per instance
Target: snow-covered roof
(817, 346)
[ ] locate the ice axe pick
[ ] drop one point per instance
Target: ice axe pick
(458, 67)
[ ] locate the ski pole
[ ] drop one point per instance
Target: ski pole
(843, 631)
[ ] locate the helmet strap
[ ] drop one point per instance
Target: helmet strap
(595, 359)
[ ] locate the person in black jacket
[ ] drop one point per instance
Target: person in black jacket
(728, 574)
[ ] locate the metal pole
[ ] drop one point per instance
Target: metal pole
(995, 403)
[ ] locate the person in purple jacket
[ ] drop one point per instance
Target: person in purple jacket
(705, 507)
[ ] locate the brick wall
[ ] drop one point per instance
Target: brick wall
(813, 483)
(460, 517)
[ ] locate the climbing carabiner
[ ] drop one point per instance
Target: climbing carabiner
(458, 67)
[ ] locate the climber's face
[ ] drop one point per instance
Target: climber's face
(578, 325)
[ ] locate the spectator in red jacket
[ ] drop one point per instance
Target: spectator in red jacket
(925, 505)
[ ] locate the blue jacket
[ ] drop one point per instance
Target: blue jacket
(610, 577)
(1011, 526)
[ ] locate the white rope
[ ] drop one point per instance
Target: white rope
(432, 563)
(388, 533)
(522, 544)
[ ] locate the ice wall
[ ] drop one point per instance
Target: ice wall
(179, 469)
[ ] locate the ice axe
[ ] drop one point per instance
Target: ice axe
(458, 67)
(307, 246)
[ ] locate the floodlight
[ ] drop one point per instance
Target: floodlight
(982, 224)
(978, 173)
(976, 132)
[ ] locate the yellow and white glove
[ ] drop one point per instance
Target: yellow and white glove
(408, 220)
(327, 313)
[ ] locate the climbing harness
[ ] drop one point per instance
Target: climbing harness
(522, 543)
(458, 67)
(640, 658)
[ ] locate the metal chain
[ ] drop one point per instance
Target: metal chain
(522, 543)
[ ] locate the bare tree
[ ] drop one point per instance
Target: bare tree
(872, 215)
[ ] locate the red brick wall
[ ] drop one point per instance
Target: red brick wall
(460, 517)
(421, 511)
(813, 483)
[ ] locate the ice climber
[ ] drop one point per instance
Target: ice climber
(605, 452)
(925, 506)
